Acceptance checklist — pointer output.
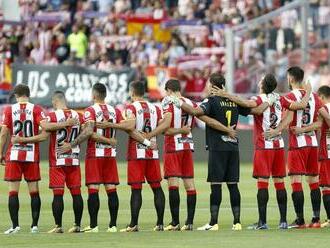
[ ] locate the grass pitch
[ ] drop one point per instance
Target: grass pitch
(146, 238)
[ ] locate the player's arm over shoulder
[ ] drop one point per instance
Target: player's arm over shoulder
(205, 108)
(324, 113)
(289, 101)
(260, 107)
(126, 122)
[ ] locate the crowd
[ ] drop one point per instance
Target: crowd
(95, 33)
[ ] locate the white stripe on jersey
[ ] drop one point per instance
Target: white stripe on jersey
(114, 120)
(312, 113)
(189, 122)
(278, 113)
(266, 122)
(140, 153)
(76, 150)
(59, 115)
(14, 153)
(97, 109)
(177, 119)
(100, 152)
(301, 141)
(140, 121)
(327, 106)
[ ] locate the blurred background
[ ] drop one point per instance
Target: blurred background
(71, 44)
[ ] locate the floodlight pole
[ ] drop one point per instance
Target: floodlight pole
(230, 59)
(328, 38)
(304, 34)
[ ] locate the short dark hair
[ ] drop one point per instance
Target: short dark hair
(173, 85)
(138, 88)
(100, 91)
(59, 95)
(324, 91)
(22, 90)
(297, 73)
(269, 83)
(217, 79)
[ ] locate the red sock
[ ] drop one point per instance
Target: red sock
(92, 191)
(314, 186)
(262, 185)
(154, 185)
(279, 186)
(191, 192)
(296, 187)
(75, 191)
(136, 186)
(13, 193)
(326, 192)
(58, 191)
(109, 191)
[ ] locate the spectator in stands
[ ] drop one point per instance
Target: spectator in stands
(152, 53)
(314, 8)
(159, 11)
(78, 41)
(85, 35)
(324, 19)
(104, 64)
(289, 20)
(62, 52)
(49, 60)
(37, 53)
(44, 37)
(174, 52)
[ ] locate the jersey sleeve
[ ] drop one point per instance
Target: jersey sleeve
(119, 116)
(318, 103)
(81, 118)
(206, 105)
(39, 115)
(51, 117)
(130, 112)
(257, 100)
(6, 118)
(167, 106)
(287, 100)
(244, 111)
(89, 115)
(159, 114)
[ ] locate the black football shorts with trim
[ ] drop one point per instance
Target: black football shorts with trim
(223, 167)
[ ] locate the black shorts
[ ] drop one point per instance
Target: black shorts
(223, 167)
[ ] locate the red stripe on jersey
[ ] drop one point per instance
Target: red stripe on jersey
(22, 154)
(180, 119)
(303, 118)
(324, 151)
(67, 134)
(270, 118)
(23, 119)
(98, 113)
(147, 117)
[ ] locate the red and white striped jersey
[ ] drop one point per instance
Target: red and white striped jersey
(302, 118)
(270, 118)
(147, 117)
(180, 119)
(23, 119)
(324, 151)
(67, 134)
(99, 113)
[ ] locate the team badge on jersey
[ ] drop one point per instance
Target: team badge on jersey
(129, 114)
(87, 114)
